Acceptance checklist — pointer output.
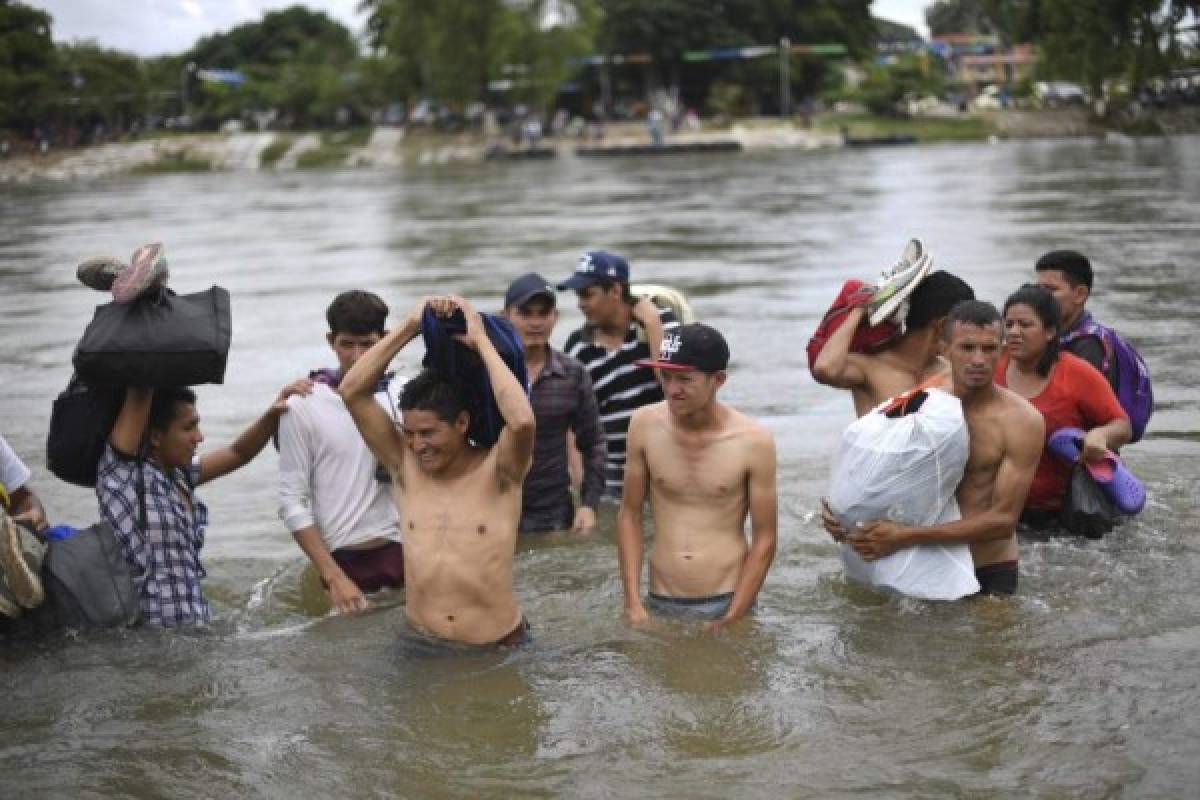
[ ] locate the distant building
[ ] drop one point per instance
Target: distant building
(979, 60)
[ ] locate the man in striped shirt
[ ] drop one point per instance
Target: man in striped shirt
(619, 331)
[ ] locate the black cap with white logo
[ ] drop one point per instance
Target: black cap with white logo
(694, 346)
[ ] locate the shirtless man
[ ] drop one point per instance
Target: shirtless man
(459, 505)
(901, 365)
(1006, 435)
(706, 467)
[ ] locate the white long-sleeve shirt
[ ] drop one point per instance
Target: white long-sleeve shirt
(327, 472)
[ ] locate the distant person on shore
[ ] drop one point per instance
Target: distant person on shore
(334, 497)
(619, 331)
(1066, 390)
(1005, 443)
(1068, 276)
(905, 360)
(145, 485)
(563, 401)
(706, 468)
(459, 504)
(21, 554)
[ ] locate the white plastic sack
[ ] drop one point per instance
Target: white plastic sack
(906, 470)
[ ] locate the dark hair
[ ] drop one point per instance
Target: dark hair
(1045, 307)
(429, 391)
(607, 283)
(164, 407)
(979, 313)
(356, 312)
(1075, 266)
(934, 297)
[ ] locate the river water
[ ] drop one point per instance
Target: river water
(1079, 687)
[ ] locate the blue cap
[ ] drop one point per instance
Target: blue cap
(595, 266)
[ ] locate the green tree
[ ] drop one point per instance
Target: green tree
(29, 69)
(452, 49)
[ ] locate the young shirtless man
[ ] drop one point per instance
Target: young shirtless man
(459, 505)
(1006, 435)
(706, 468)
(905, 362)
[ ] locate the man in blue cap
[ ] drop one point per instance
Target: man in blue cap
(560, 392)
(609, 345)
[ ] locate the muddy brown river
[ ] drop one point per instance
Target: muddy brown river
(1084, 685)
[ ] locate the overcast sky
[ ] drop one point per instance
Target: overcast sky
(156, 27)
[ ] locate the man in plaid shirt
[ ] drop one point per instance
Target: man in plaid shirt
(561, 394)
(145, 485)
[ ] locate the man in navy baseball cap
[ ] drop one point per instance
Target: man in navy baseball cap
(619, 330)
(560, 392)
(597, 266)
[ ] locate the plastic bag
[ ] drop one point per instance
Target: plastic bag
(906, 469)
(1087, 510)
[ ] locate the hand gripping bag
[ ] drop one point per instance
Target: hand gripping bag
(161, 340)
(903, 462)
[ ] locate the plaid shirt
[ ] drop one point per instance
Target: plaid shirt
(166, 556)
(562, 399)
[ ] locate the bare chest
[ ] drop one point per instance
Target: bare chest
(697, 470)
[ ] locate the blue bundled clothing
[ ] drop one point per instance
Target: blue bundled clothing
(463, 367)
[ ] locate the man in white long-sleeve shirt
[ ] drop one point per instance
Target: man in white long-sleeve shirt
(333, 496)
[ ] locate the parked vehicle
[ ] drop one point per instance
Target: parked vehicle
(1059, 94)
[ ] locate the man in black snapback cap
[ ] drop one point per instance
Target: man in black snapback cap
(705, 467)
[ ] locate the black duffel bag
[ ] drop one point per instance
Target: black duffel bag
(80, 421)
(158, 341)
(89, 584)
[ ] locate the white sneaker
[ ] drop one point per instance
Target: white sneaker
(891, 296)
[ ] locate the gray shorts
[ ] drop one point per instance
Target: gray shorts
(710, 607)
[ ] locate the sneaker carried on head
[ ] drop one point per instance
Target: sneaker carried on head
(891, 296)
(99, 272)
(23, 582)
(147, 270)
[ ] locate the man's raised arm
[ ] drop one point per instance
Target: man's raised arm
(358, 393)
(631, 544)
(514, 448)
(834, 365)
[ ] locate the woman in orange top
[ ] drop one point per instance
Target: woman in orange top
(1068, 391)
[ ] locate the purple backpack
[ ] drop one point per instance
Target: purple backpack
(1133, 377)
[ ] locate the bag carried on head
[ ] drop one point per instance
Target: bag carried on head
(158, 341)
(89, 584)
(80, 421)
(1131, 377)
(867, 339)
(1087, 511)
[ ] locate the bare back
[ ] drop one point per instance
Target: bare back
(1005, 435)
(699, 488)
(886, 375)
(460, 535)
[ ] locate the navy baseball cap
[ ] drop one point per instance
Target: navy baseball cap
(694, 346)
(595, 266)
(527, 287)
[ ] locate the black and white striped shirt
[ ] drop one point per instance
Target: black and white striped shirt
(621, 388)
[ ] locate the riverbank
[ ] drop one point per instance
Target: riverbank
(393, 147)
